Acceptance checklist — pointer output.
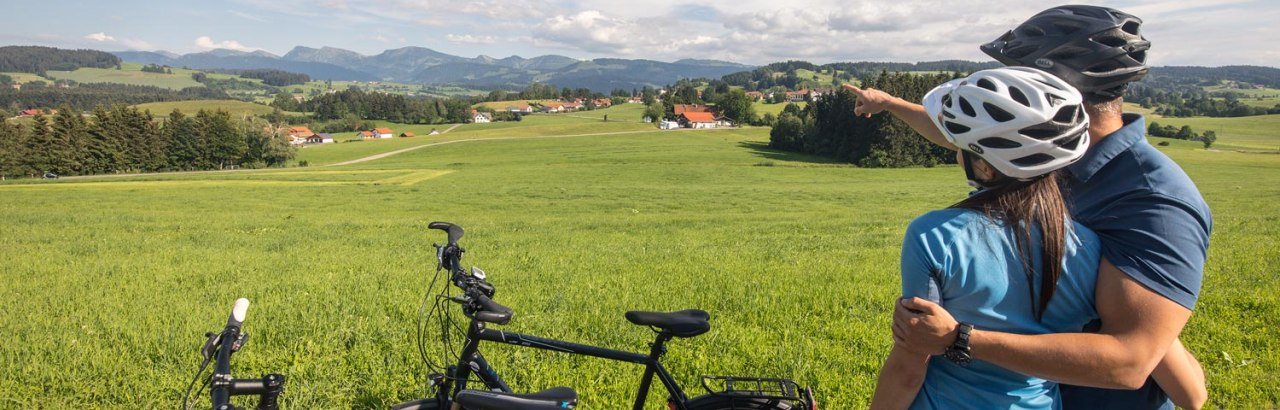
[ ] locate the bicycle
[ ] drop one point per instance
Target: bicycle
(222, 386)
(450, 387)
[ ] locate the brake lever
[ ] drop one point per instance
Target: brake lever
(206, 351)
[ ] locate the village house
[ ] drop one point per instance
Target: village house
(683, 108)
(572, 106)
(552, 107)
(480, 117)
(693, 119)
(668, 125)
(603, 102)
(755, 95)
(30, 113)
(365, 135)
(298, 135)
(383, 133)
(635, 100)
(520, 109)
(320, 138)
(406, 134)
(434, 132)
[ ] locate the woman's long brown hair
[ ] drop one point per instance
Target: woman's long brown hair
(1024, 206)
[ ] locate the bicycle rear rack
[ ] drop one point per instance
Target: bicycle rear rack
(760, 387)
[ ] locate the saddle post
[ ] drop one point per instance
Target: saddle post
(656, 350)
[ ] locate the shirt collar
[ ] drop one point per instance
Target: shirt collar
(1133, 131)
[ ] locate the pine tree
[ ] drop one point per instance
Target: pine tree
(12, 150)
(185, 143)
(72, 131)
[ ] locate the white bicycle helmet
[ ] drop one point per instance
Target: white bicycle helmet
(1024, 122)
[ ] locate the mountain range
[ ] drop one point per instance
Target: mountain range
(419, 65)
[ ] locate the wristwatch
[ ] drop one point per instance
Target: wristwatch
(958, 352)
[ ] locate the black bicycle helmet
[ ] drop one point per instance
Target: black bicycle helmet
(1098, 50)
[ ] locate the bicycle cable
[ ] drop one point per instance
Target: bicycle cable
(186, 396)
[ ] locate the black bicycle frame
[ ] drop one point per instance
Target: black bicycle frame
(473, 362)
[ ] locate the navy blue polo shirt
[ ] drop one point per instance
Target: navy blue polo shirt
(1154, 226)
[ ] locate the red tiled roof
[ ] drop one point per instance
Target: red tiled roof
(698, 116)
(683, 108)
(383, 130)
(366, 134)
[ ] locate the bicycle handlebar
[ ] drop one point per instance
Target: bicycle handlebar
(490, 311)
(455, 231)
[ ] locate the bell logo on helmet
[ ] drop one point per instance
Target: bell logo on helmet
(975, 148)
(1044, 63)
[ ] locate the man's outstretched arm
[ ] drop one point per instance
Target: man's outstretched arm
(872, 101)
(1138, 326)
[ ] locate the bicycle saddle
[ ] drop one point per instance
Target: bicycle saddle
(555, 398)
(685, 323)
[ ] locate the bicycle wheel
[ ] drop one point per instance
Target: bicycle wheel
(737, 402)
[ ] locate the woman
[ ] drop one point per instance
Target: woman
(1007, 258)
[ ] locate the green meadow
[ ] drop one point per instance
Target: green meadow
(112, 282)
(235, 107)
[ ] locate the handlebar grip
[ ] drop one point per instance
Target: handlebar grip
(491, 312)
(238, 313)
(455, 231)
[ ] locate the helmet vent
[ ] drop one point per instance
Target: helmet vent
(1030, 31)
(1043, 131)
(1066, 28)
(1105, 67)
(1072, 143)
(968, 109)
(997, 113)
(1019, 52)
(998, 143)
(946, 101)
(1111, 41)
(1131, 27)
(956, 128)
(1067, 52)
(1018, 96)
(1032, 160)
(1139, 56)
(986, 83)
(948, 114)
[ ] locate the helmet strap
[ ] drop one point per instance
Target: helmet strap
(967, 163)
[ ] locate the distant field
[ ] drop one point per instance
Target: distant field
(128, 75)
(502, 105)
(775, 109)
(22, 78)
(236, 108)
(1260, 132)
(532, 125)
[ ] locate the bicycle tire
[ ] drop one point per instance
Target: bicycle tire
(737, 402)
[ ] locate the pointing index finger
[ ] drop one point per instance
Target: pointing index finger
(853, 88)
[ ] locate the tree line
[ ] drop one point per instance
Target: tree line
(1183, 133)
(122, 139)
(829, 128)
(278, 78)
(35, 59)
(87, 96)
(382, 106)
(1174, 99)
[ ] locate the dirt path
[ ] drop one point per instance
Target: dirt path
(436, 144)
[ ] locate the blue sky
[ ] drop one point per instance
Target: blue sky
(749, 31)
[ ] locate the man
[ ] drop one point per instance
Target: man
(1152, 221)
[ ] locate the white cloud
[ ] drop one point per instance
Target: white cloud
(103, 38)
(470, 39)
(100, 37)
(207, 43)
